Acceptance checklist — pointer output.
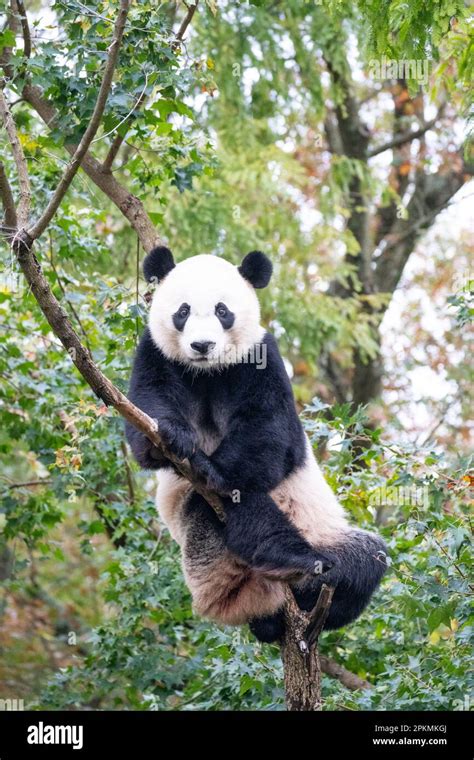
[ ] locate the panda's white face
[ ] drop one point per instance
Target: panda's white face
(205, 314)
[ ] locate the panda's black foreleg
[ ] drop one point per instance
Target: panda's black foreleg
(261, 534)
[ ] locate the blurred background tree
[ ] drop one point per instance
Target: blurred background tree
(332, 136)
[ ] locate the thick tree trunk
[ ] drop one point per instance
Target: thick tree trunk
(302, 673)
(299, 652)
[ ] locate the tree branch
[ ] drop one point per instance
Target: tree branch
(186, 21)
(333, 136)
(63, 291)
(401, 139)
(25, 28)
(119, 139)
(354, 139)
(335, 670)
(398, 179)
(130, 206)
(20, 162)
(94, 123)
(431, 195)
(318, 615)
(12, 24)
(9, 218)
(299, 651)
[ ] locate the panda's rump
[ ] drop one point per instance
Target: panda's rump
(231, 593)
(223, 588)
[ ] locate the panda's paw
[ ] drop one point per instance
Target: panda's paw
(146, 454)
(181, 440)
(208, 473)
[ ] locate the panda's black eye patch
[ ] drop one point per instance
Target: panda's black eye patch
(180, 317)
(224, 315)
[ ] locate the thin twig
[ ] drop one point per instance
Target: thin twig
(63, 291)
(137, 103)
(127, 203)
(119, 139)
(9, 218)
(30, 483)
(23, 209)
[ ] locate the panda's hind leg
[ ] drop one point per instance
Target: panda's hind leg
(259, 532)
(359, 564)
(224, 588)
(270, 628)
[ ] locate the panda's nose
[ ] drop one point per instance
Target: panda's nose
(203, 347)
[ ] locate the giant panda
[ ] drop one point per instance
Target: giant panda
(214, 380)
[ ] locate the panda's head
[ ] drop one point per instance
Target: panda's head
(205, 311)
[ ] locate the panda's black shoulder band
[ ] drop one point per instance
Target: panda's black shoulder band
(157, 264)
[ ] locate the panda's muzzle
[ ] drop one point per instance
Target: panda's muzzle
(203, 347)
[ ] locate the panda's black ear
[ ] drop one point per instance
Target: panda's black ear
(157, 264)
(257, 269)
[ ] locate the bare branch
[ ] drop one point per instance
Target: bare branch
(319, 614)
(186, 21)
(12, 23)
(20, 162)
(25, 28)
(9, 219)
(81, 150)
(30, 484)
(403, 138)
(112, 154)
(335, 670)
